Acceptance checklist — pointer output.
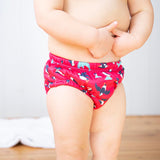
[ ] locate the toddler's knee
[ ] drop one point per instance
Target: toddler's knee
(109, 150)
(113, 148)
(113, 152)
(72, 151)
(110, 154)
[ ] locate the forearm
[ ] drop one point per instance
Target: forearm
(141, 26)
(66, 28)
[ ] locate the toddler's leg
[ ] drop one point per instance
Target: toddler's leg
(107, 126)
(70, 111)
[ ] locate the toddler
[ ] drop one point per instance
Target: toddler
(83, 76)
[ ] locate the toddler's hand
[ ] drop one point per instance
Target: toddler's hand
(104, 41)
(124, 43)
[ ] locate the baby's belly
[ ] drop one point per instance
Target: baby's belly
(97, 20)
(77, 53)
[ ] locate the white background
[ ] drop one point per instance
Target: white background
(24, 52)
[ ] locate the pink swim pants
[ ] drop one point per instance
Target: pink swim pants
(97, 80)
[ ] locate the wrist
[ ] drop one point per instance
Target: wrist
(93, 38)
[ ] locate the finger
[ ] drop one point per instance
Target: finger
(117, 32)
(112, 26)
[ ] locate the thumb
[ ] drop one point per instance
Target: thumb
(111, 26)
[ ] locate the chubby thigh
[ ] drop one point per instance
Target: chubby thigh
(107, 126)
(70, 111)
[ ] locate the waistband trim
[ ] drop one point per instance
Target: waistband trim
(84, 65)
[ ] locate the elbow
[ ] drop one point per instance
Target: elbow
(43, 19)
(40, 21)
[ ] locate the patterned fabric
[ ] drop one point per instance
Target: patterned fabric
(97, 80)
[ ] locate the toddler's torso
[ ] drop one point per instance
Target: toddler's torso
(97, 13)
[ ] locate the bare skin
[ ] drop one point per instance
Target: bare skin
(70, 110)
(97, 16)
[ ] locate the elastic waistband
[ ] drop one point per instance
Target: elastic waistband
(84, 65)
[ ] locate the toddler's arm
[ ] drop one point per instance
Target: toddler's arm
(64, 27)
(57, 23)
(142, 18)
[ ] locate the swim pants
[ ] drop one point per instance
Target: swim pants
(97, 80)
